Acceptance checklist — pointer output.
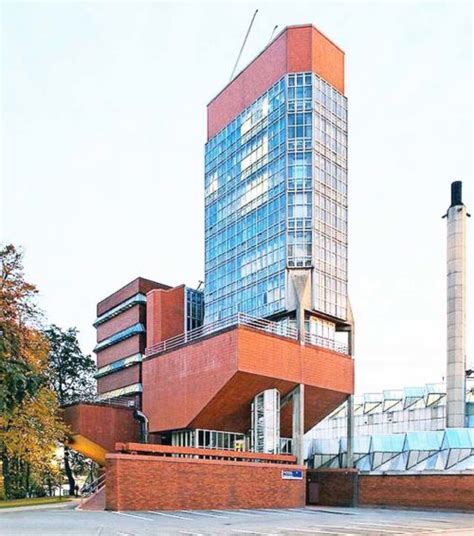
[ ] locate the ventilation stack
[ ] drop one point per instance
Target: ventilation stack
(456, 310)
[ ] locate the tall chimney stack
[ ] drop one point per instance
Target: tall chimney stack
(456, 309)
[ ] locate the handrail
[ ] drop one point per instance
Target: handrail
(237, 319)
(317, 340)
(94, 487)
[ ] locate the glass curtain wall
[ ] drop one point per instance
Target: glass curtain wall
(245, 211)
(276, 198)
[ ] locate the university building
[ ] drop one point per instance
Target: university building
(263, 353)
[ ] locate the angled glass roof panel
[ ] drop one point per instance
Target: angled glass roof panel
(413, 395)
(458, 438)
(372, 401)
(434, 393)
(387, 443)
(362, 444)
(393, 394)
(414, 392)
(373, 397)
(393, 399)
(423, 441)
(326, 446)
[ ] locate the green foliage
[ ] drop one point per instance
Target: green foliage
(71, 371)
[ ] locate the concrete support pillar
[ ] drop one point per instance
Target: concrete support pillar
(299, 298)
(298, 423)
(350, 432)
(350, 398)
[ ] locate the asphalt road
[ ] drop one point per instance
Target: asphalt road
(290, 522)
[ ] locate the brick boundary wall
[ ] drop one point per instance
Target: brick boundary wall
(332, 487)
(141, 482)
(449, 491)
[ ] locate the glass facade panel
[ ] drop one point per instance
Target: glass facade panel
(245, 211)
(276, 198)
(194, 308)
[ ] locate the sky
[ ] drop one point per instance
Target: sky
(104, 125)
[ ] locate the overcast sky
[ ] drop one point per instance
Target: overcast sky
(104, 125)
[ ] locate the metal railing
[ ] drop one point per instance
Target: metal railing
(317, 340)
(238, 319)
(94, 487)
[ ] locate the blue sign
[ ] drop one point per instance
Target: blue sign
(292, 475)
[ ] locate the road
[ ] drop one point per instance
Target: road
(287, 522)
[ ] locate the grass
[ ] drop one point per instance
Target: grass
(32, 502)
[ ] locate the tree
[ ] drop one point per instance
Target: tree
(29, 423)
(71, 378)
(22, 348)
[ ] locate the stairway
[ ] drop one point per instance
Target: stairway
(96, 500)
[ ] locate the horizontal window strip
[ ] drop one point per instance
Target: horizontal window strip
(128, 390)
(119, 365)
(120, 336)
(120, 308)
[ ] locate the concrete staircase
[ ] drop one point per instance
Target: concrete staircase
(95, 502)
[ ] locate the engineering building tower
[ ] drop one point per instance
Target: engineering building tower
(276, 188)
(265, 367)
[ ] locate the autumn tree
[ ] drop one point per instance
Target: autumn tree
(29, 424)
(72, 379)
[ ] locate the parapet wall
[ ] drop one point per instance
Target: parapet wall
(161, 482)
(345, 487)
(450, 491)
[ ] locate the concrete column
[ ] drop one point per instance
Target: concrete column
(299, 297)
(350, 432)
(298, 423)
(350, 398)
(456, 317)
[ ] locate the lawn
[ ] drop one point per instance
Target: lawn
(33, 502)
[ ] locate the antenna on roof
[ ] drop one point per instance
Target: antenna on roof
(273, 32)
(243, 45)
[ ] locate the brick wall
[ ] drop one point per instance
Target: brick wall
(140, 284)
(420, 491)
(132, 345)
(121, 378)
(177, 385)
(101, 424)
(296, 49)
(211, 383)
(165, 314)
(124, 320)
(332, 487)
(184, 483)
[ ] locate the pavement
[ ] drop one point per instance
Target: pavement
(289, 522)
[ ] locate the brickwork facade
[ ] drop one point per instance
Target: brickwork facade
(102, 424)
(134, 315)
(296, 49)
(165, 311)
(184, 483)
(332, 487)
(121, 378)
(211, 383)
(455, 491)
(138, 285)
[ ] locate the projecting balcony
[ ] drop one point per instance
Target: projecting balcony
(207, 378)
(244, 320)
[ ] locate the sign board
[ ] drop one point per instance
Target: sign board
(292, 475)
